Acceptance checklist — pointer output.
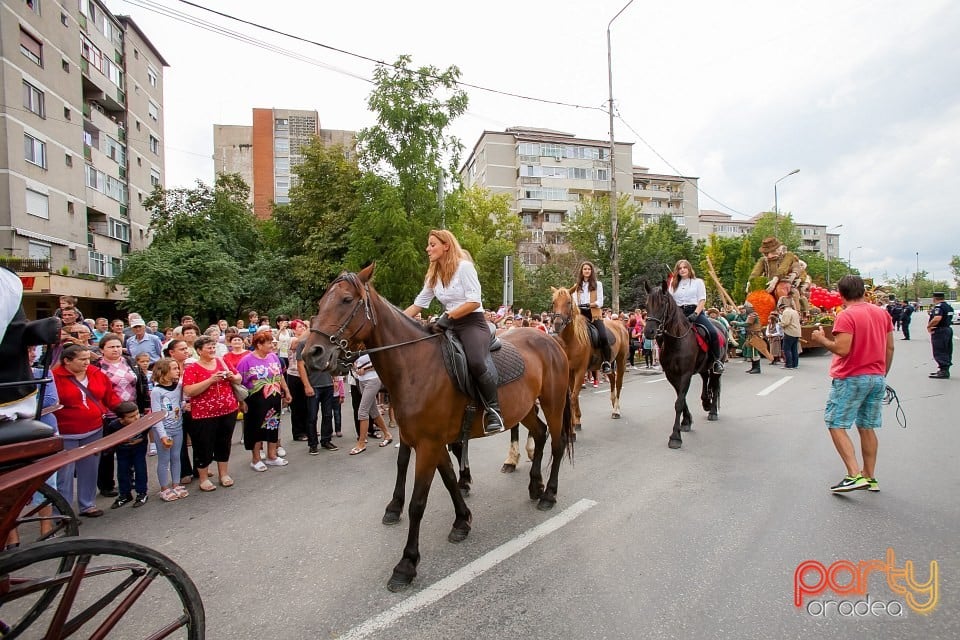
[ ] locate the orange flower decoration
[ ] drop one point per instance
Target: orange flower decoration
(763, 303)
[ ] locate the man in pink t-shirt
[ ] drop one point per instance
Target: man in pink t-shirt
(863, 352)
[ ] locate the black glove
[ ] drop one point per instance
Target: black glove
(692, 316)
(444, 322)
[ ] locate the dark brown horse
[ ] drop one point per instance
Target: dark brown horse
(427, 404)
(680, 358)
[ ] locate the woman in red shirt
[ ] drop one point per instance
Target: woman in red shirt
(213, 411)
(86, 394)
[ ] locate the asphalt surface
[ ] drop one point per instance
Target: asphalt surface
(700, 542)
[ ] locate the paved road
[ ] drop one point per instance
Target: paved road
(649, 542)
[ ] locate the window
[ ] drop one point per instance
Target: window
(33, 99)
(554, 217)
(34, 5)
(152, 76)
(31, 47)
(154, 145)
(552, 150)
(70, 208)
(281, 124)
(529, 149)
(67, 114)
(63, 19)
(116, 151)
(281, 145)
(118, 230)
(65, 64)
(68, 160)
(34, 151)
(38, 204)
(38, 250)
(154, 177)
(138, 125)
(136, 54)
(113, 72)
(281, 166)
(154, 111)
(97, 263)
(72, 253)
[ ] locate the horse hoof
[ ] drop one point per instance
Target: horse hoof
(674, 444)
(457, 535)
(685, 427)
(391, 518)
(465, 492)
(508, 468)
(615, 416)
(398, 583)
(713, 417)
(545, 505)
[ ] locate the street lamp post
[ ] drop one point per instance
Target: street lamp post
(614, 231)
(776, 203)
(916, 280)
(850, 257)
(828, 253)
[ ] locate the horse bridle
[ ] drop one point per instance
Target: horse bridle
(661, 331)
(341, 343)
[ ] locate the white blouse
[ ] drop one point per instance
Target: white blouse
(464, 287)
(689, 291)
(583, 294)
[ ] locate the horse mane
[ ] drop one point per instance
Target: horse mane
(353, 279)
(576, 318)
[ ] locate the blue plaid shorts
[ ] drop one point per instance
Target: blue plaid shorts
(855, 400)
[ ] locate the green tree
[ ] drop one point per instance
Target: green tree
(489, 230)
(723, 253)
(650, 255)
(588, 231)
(742, 268)
(955, 269)
(313, 230)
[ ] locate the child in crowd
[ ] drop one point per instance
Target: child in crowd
(167, 395)
(131, 457)
(339, 395)
(143, 362)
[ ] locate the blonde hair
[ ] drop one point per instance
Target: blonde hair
(446, 265)
(691, 274)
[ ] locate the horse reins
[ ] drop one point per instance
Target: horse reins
(661, 330)
(337, 339)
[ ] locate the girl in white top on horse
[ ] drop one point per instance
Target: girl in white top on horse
(588, 294)
(690, 294)
(452, 280)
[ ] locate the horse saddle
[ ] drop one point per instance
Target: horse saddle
(703, 339)
(505, 356)
(594, 335)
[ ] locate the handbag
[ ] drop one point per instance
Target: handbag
(240, 392)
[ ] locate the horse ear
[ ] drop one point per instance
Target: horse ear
(367, 272)
(553, 291)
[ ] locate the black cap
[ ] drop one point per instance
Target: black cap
(939, 294)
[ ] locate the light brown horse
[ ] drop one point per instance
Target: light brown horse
(407, 357)
(572, 331)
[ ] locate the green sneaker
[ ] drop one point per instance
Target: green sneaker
(850, 483)
(874, 485)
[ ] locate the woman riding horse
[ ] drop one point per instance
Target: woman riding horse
(690, 294)
(588, 294)
(452, 279)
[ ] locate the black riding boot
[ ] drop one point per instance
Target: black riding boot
(487, 387)
(755, 368)
(604, 346)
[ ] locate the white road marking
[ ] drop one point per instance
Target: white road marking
(776, 385)
(462, 576)
(657, 380)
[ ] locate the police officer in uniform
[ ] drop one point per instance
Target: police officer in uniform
(941, 335)
(905, 317)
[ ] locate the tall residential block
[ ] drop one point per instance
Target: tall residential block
(813, 237)
(81, 146)
(546, 174)
(267, 153)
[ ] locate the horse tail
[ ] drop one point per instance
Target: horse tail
(568, 434)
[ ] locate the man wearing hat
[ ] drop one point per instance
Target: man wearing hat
(143, 342)
(790, 323)
(753, 333)
(941, 335)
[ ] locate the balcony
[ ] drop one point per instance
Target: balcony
(21, 265)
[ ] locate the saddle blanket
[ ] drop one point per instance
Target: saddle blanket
(507, 359)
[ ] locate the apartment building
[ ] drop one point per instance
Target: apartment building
(813, 237)
(82, 122)
(546, 174)
(267, 152)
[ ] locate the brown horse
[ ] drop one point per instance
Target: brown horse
(428, 405)
(572, 331)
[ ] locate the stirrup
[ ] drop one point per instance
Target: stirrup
(717, 366)
(605, 367)
(492, 421)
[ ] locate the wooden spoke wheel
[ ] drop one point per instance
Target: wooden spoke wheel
(95, 588)
(52, 517)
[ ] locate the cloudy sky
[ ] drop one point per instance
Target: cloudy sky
(862, 96)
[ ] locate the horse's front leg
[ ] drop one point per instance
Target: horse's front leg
(680, 410)
(395, 507)
(616, 378)
(576, 383)
(513, 455)
(429, 456)
(461, 525)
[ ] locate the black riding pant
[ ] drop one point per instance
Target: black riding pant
(474, 334)
(942, 341)
(704, 321)
(598, 323)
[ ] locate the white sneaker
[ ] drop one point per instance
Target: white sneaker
(281, 452)
(152, 449)
(276, 462)
(258, 466)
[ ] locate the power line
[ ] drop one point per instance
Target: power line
(387, 64)
(677, 171)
